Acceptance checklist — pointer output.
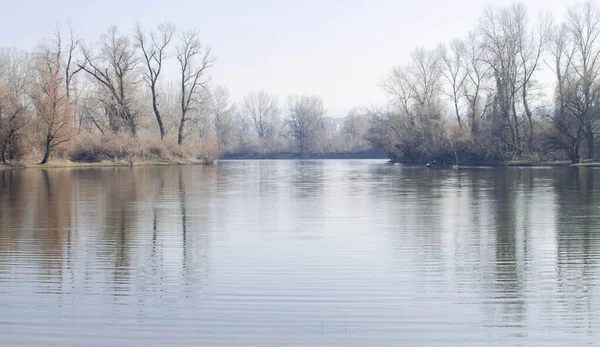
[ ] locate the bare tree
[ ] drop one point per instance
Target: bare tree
(70, 66)
(500, 29)
(49, 95)
(114, 70)
(583, 25)
(262, 113)
(531, 46)
(306, 121)
(416, 87)
(476, 78)
(223, 114)
(154, 51)
(513, 51)
(353, 130)
(568, 129)
(455, 74)
(389, 131)
(194, 60)
(416, 116)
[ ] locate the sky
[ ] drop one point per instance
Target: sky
(338, 50)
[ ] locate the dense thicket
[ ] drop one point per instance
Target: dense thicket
(513, 88)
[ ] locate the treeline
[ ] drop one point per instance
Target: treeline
(512, 89)
(485, 98)
(111, 99)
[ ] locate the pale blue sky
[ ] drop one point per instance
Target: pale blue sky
(339, 50)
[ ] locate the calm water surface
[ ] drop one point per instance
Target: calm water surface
(328, 253)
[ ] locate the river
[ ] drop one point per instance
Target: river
(322, 253)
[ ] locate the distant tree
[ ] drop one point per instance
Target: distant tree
(354, 128)
(223, 110)
(261, 112)
(305, 118)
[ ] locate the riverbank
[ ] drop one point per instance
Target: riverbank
(552, 163)
(107, 163)
(281, 156)
(516, 163)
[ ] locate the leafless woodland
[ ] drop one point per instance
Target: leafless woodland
(519, 86)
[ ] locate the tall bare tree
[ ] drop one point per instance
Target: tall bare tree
(568, 133)
(583, 25)
(71, 69)
(500, 28)
(114, 69)
(194, 60)
(513, 51)
(531, 45)
(154, 51)
(476, 79)
(455, 74)
(49, 94)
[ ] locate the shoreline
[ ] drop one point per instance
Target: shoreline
(124, 163)
(516, 163)
(551, 164)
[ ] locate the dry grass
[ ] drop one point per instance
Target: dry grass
(209, 150)
(147, 147)
(93, 149)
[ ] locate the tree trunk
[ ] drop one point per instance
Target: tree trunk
(574, 152)
(474, 124)
(157, 114)
(3, 151)
(47, 151)
(529, 119)
(180, 132)
(131, 124)
(456, 109)
(517, 134)
(589, 136)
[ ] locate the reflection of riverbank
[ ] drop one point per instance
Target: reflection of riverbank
(247, 249)
(110, 231)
